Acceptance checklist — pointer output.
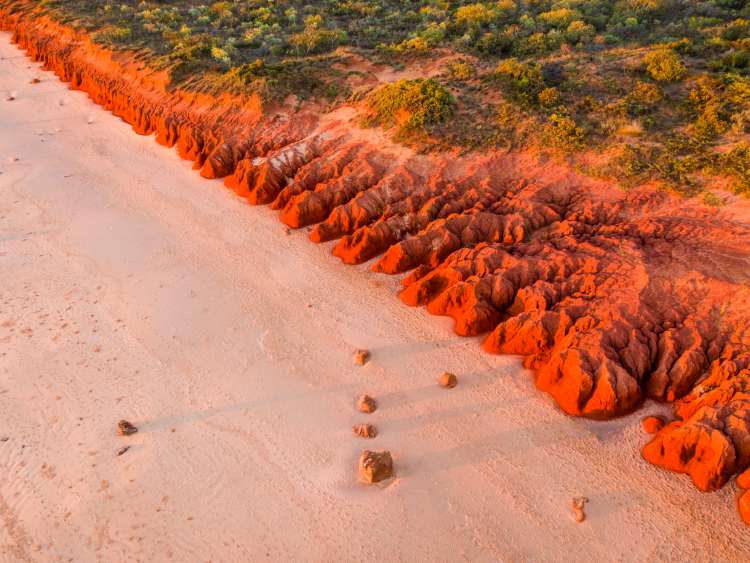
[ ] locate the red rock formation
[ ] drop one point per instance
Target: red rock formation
(610, 297)
(711, 441)
(743, 502)
(652, 424)
(743, 505)
(219, 135)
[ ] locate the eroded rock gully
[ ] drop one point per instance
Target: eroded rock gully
(610, 297)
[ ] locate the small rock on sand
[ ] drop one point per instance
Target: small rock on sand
(125, 428)
(577, 506)
(366, 404)
(35, 81)
(652, 424)
(122, 450)
(365, 430)
(375, 466)
(361, 357)
(448, 380)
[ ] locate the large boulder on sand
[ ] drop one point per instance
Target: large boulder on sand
(375, 466)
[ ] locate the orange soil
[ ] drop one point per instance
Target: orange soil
(611, 297)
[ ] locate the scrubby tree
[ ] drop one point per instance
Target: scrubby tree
(664, 65)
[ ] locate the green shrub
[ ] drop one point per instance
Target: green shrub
(523, 81)
(219, 54)
(740, 122)
(673, 162)
(736, 29)
(548, 97)
(413, 106)
(562, 17)
(737, 163)
(276, 80)
(461, 70)
(711, 108)
(664, 65)
(734, 60)
(580, 32)
(315, 38)
(114, 34)
(474, 16)
(642, 99)
(562, 132)
(712, 200)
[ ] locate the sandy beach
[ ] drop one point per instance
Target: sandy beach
(132, 288)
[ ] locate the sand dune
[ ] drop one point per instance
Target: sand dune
(132, 288)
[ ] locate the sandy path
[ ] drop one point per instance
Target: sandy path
(130, 287)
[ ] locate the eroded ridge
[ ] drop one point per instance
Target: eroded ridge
(610, 297)
(220, 135)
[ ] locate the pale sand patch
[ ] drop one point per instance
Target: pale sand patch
(131, 288)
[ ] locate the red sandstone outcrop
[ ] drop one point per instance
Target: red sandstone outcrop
(743, 502)
(610, 297)
(711, 440)
(743, 506)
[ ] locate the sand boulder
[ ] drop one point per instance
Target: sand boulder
(125, 428)
(366, 404)
(448, 380)
(365, 430)
(375, 466)
(361, 357)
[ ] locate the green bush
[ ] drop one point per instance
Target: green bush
(315, 38)
(548, 97)
(276, 80)
(561, 17)
(712, 200)
(114, 34)
(413, 106)
(523, 81)
(664, 65)
(642, 99)
(461, 70)
(737, 163)
(562, 132)
(473, 16)
(709, 103)
(580, 32)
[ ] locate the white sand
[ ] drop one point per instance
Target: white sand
(131, 288)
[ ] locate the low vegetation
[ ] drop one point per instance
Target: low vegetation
(413, 107)
(654, 89)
